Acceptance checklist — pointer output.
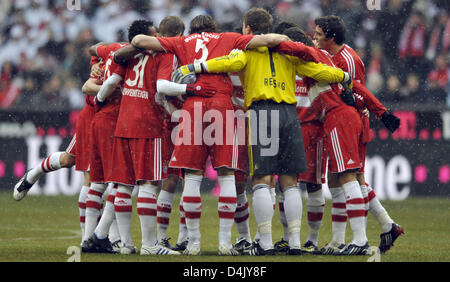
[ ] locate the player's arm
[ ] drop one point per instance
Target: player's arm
(170, 88)
(370, 101)
(268, 40)
(146, 42)
(235, 61)
(93, 49)
(91, 87)
(390, 121)
(122, 55)
(321, 72)
(297, 49)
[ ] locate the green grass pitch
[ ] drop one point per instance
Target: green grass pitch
(44, 228)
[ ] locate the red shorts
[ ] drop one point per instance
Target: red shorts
(83, 138)
(343, 131)
(170, 146)
(102, 137)
(316, 157)
(137, 159)
(362, 156)
(71, 147)
(201, 135)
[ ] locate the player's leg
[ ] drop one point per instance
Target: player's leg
(106, 237)
(123, 207)
(263, 211)
(82, 202)
(52, 163)
(344, 161)
(122, 175)
(146, 209)
(241, 216)
(390, 230)
(356, 214)
(226, 209)
(292, 161)
(192, 206)
(315, 209)
(338, 216)
(164, 208)
(283, 244)
(182, 239)
(293, 210)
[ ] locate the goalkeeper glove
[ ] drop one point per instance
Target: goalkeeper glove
(198, 89)
(390, 121)
(348, 98)
(185, 70)
(347, 81)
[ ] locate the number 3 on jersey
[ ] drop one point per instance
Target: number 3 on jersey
(139, 72)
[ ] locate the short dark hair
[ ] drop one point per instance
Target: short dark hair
(298, 35)
(282, 26)
(259, 20)
(333, 27)
(171, 26)
(139, 27)
(202, 23)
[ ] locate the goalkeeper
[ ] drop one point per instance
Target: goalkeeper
(268, 79)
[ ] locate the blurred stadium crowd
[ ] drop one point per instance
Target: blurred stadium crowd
(44, 60)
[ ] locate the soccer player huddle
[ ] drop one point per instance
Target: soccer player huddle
(159, 106)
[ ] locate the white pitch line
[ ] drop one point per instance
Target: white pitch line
(76, 234)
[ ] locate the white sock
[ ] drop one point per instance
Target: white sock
(49, 164)
(226, 208)
(263, 210)
(365, 194)
(338, 214)
(293, 209)
(164, 209)
(378, 211)
(82, 209)
(283, 217)
(123, 206)
(192, 205)
(355, 212)
(315, 206)
(94, 203)
(182, 230)
(146, 209)
(241, 216)
(105, 225)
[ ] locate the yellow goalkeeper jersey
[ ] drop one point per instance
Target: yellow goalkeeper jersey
(267, 75)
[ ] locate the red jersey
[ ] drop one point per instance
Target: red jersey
(205, 46)
(140, 116)
(106, 52)
(347, 60)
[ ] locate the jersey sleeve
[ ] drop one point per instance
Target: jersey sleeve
(319, 72)
(241, 41)
(370, 101)
(103, 51)
(299, 50)
(233, 62)
(171, 44)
